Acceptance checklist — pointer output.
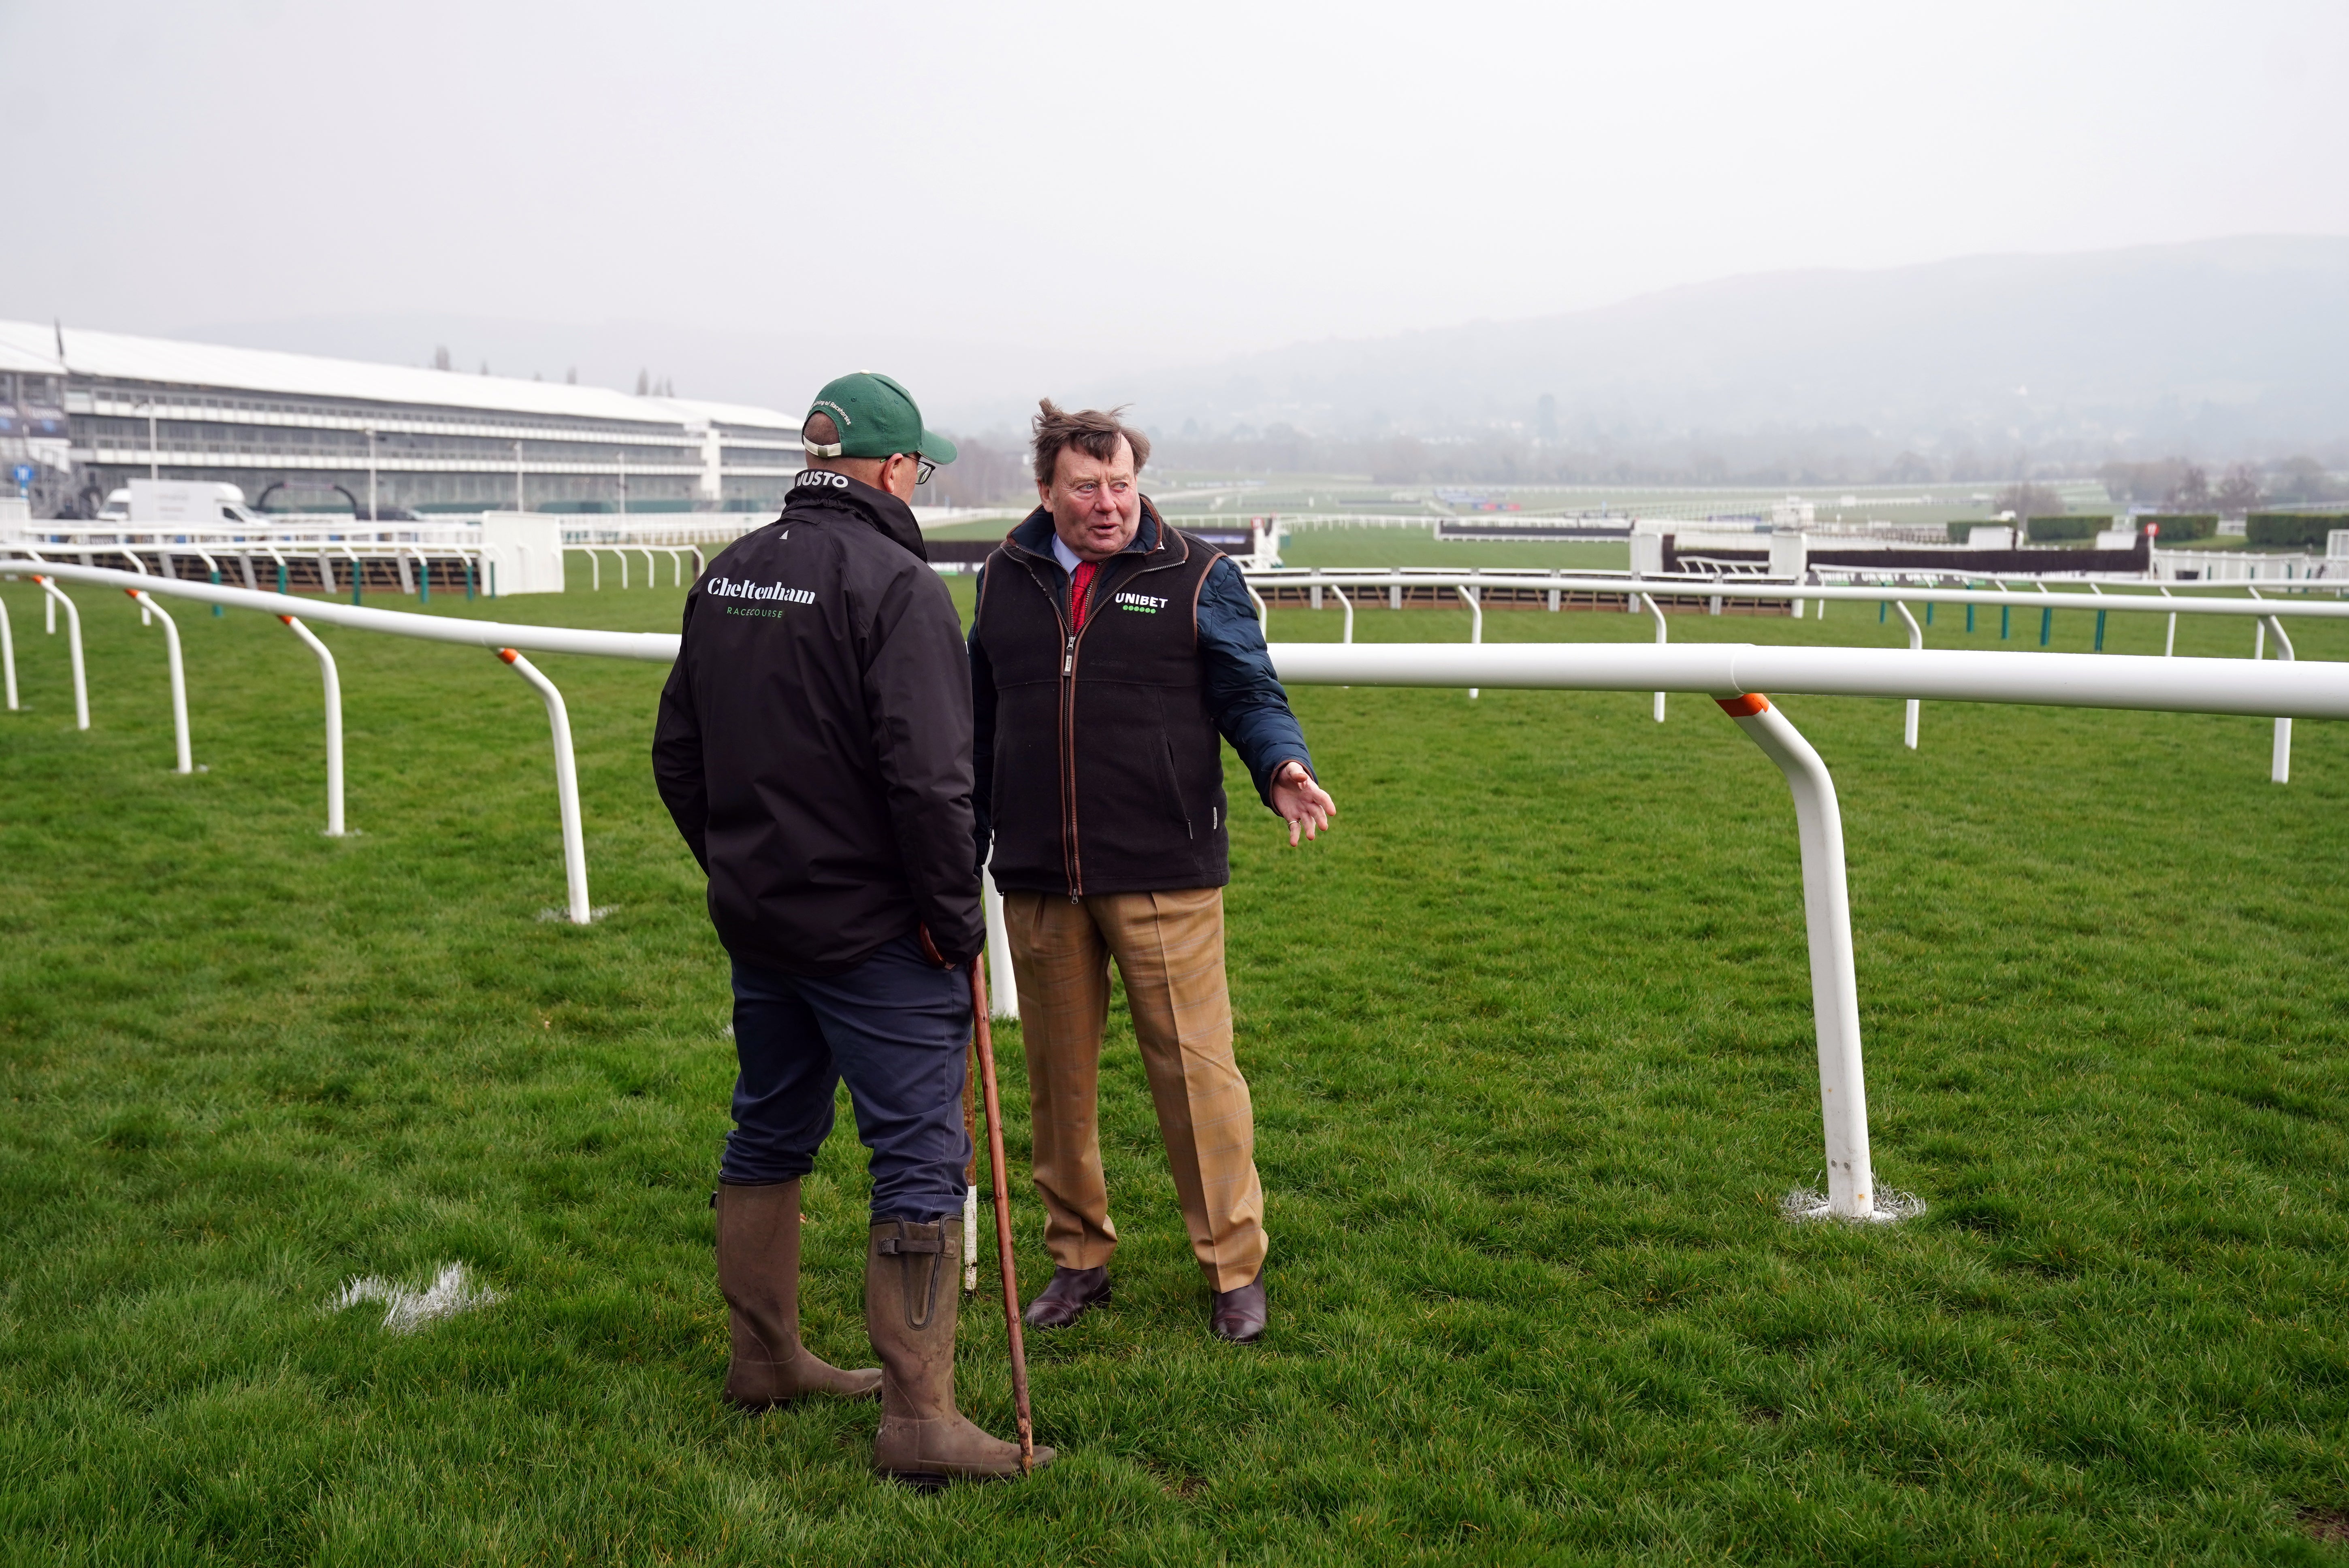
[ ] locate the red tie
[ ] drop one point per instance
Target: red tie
(1080, 582)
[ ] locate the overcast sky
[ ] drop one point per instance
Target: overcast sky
(1115, 183)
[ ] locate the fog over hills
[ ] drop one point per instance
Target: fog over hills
(2218, 349)
(2223, 347)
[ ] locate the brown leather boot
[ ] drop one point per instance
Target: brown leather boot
(759, 1274)
(913, 1280)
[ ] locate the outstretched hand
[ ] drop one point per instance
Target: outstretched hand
(1303, 804)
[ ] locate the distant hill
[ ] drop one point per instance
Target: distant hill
(2220, 346)
(2218, 349)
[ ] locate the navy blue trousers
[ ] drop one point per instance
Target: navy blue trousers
(896, 1028)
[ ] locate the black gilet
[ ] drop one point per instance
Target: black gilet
(1109, 771)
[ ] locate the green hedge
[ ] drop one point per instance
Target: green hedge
(2050, 530)
(2293, 529)
(2179, 528)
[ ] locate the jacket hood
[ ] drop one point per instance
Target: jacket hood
(817, 490)
(1033, 536)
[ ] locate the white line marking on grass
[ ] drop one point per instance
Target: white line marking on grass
(408, 1310)
(1806, 1204)
(598, 912)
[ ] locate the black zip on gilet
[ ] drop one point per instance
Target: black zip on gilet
(1109, 774)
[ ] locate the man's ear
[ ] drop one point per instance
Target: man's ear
(1044, 492)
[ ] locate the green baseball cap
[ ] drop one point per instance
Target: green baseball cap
(877, 418)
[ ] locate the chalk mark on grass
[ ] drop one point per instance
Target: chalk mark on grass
(454, 1291)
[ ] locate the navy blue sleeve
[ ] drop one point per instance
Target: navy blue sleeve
(982, 732)
(1249, 706)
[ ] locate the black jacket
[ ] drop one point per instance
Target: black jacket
(814, 738)
(1100, 764)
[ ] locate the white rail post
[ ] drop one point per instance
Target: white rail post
(652, 569)
(594, 570)
(187, 761)
(333, 684)
(566, 788)
(1263, 610)
(8, 657)
(72, 645)
(1348, 604)
(1002, 985)
(1834, 982)
(1475, 624)
(2280, 763)
(969, 1238)
(1916, 643)
(1657, 611)
(622, 557)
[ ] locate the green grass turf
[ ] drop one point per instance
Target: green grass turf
(1531, 1046)
(1415, 546)
(1370, 547)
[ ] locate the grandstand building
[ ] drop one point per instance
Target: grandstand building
(82, 413)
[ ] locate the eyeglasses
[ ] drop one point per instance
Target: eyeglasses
(923, 467)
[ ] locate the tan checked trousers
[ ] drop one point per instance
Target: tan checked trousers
(1169, 948)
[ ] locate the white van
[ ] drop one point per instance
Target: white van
(190, 503)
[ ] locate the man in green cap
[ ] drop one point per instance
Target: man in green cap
(814, 746)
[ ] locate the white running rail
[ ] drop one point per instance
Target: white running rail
(1002, 985)
(8, 657)
(333, 681)
(566, 788)
(1835, 974)
(187, 760)
(57, 597)
(2280, 767)
(1638, 591)
(2161, 602)
(1735, 675)
(1915, 644)
(1650, 600)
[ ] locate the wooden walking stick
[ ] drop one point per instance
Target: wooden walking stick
(985, 1041)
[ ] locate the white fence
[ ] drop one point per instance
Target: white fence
(2266, 615)
(334, 557)
(1735, 676)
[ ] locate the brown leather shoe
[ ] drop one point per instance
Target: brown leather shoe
(1066, 1298)
(1238, 1316)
